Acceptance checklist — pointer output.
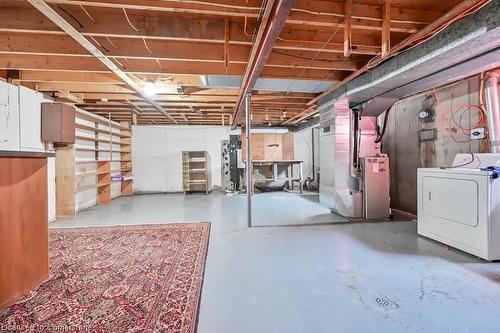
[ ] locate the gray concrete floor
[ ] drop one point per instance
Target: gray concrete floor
(370, 277)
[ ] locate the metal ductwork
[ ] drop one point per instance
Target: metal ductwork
(338, 189)
(345, 137)
(379, 105)
(493, 111)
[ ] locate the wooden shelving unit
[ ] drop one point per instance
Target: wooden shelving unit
(107, 163)
(196, 171)
(126, 159)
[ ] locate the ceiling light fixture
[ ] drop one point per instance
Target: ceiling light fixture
(150, 88)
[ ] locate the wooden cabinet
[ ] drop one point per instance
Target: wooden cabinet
(58, 123)
(196, 171)
(24, 250)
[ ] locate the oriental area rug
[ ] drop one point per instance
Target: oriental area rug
(141, 278)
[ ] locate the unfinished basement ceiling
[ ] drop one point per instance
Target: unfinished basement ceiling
(178, 43)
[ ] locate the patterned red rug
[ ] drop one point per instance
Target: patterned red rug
(117, 279)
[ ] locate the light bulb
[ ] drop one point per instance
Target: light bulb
(150, 88)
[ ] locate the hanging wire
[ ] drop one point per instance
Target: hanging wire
(128, 20)
(146, 45)
(118, 62)
(99, 44)
(88, 14)
(159, 63)
(110, 42)
(70, 15)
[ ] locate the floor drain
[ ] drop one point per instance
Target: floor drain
(386, 304)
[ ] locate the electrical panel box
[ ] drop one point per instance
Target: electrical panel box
(58, 123)
(427, 135)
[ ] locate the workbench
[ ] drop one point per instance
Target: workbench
(274, 171)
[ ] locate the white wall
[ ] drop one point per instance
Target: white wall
(20, 129)
(157, 154)
(302, 142)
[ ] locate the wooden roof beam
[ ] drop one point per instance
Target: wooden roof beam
(273, 20)
(348, 28)
(367, 18)
(386, 28)
(443, 20)
(68, 28)
(148, 67)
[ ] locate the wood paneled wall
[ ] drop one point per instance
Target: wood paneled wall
(269, 146)
(24, 258)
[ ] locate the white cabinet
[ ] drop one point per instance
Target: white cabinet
(30, 119)
(9, 117)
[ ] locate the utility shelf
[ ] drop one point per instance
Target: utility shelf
(195, 167)
(106, 140)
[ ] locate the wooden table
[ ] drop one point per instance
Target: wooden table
(274, 164)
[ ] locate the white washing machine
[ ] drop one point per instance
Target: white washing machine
(461, 208)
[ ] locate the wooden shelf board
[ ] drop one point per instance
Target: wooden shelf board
(98, 161)
(84, 138)
(100, 130)
(85, 174)
(97, 150)
(99, 120)
(85, 187)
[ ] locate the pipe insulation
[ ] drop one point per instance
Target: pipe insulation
(493, 111)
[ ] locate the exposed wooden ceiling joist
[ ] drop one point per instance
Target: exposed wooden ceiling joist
(68, 28)
(273, 19)
(178, 43)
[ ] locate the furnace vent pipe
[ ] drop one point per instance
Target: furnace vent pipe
(493, 111)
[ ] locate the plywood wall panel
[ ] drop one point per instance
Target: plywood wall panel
(288, 151)
(269, 146)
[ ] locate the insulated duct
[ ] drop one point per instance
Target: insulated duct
(493, 111)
